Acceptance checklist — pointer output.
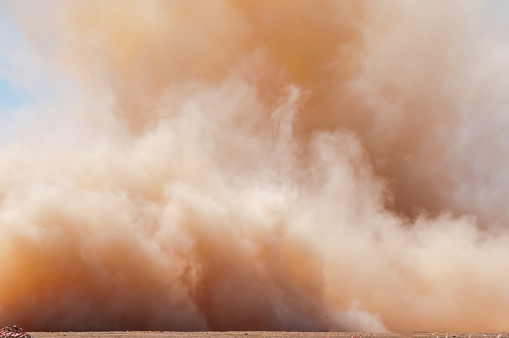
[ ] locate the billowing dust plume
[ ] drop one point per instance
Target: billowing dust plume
(258, 165)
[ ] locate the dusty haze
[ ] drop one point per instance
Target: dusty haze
(258, 165)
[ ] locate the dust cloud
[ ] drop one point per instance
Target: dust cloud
(258, 165)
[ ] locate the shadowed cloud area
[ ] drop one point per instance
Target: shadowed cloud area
(258, 165)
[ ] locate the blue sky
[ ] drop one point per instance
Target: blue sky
(12, 94)
(13, 44)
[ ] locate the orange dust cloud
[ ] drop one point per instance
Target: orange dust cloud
(258, 165)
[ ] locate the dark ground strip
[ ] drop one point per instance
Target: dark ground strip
(255, 334)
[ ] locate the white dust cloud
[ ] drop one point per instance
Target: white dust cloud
(259, 165)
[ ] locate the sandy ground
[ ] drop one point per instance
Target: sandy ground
(254, 334)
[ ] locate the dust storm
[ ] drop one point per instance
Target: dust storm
(258, 165)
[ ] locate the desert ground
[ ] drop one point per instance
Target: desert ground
(253, 334)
